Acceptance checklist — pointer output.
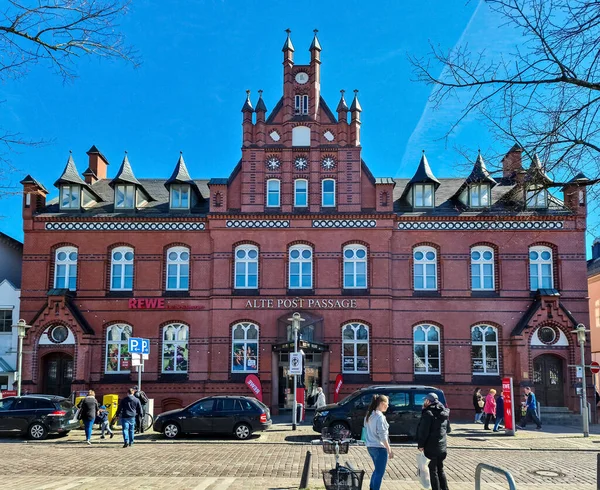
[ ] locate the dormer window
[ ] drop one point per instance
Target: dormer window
(423, 195)
(537, 197)
(70, 196)
(180, 196)
(479, 195)
(301, 105)
(125, 196)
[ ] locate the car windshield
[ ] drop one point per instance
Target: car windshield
(349, 397)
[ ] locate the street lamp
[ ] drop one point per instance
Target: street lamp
(581, 331)
(296, 319)
(21, 327)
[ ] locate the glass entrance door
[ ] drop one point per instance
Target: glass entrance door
(311, 380)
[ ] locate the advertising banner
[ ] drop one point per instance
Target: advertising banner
(338, 385)
(253, 383)
(509, 409)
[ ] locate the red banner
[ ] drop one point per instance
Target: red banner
(253, 383)
(507, 392)
(338, 385)
(6, 393)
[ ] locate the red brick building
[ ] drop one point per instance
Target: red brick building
(449, 282)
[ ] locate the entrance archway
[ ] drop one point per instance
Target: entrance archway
(549, 381)
(58, 374)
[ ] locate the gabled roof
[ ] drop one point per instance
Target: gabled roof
(523, 323)
(125, 174)
(181, 175)
(30, 180)
(479, 175)
(327, 110)
(424, 175)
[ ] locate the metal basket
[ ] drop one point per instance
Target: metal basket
(335, 435)
(329, 447)
(343, 479)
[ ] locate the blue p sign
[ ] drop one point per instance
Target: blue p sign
(145, 346)
(139, 346)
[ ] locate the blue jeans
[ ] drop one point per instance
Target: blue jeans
(499, 420)
(88, 425)
(128, 425)
(379, 455)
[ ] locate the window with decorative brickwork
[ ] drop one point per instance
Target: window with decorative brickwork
(540, 268)
(482, 269)
(70, 196)
(355, 348)
(355, 267)
(121, 269)
(180, 196)
(178, 269)
(244, 350)
(125, 196)
(273, 193)
(484, 350)
(175, 350)
(423, 195)
(246, 267)
(65, 268)
(6, 322)
(425, 268)
(300, 265)
(328, 193)
(301, 105)
(300, 193)
(426, 349)
(301, 136)
(118, 358)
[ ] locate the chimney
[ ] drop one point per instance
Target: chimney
(596, 249)
(97, 165)
(34, 200)
(511, 163)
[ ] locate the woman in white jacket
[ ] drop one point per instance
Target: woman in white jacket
(320, 398)
(377, 438)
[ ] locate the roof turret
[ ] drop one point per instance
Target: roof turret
(288, 46)
(70, 174)
(480, 173)
(125, 174)
(424, 175)
(260, 105)
(342, 106)
(315, 42)
(247, 105)
(355, 107)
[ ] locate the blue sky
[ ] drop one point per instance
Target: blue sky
(199, 57)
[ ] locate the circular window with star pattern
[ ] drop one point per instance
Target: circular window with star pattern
(301, 163)
(328, 163)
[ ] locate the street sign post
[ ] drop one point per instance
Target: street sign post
(296, 363)
(140, 351)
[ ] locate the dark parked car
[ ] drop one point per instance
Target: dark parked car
(237, 415)
(403, 414)
(37, 415)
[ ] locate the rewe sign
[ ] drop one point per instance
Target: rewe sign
(253, 383)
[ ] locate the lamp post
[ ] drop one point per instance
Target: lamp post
(296, 319)
(581, 331)
(21, 332)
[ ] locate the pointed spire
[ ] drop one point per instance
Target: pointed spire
(480, 173)
(315, 42)
(70, 174)
(247, 105)
(424, 175)
(180, 174)
(535, 162)
(260, 105)
(355, 107)
(536, 171)
(342, 106)
(125, 174)
(288, 46)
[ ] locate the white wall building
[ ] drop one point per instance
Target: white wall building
(9, 316)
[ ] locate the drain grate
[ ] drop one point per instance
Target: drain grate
(547, 473)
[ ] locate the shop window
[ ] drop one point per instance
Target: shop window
(426, 349)
(425, 268)
(65, 268)
(178, 269)
(246, 267)
(300, 263)
(484, 350)
(355, 267)
(118, 358)
(175, 348)
(244, 350)
(540, 268)
(355, 348)
(482, 269)
(121, 269)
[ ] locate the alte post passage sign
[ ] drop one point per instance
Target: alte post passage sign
(324, 303)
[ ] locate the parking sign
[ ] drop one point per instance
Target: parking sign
(139, 346)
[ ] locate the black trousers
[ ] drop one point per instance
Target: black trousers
(436, 472)
(488, 419)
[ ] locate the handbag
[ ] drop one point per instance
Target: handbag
(481, 403)
(363, 434)
(423, 471)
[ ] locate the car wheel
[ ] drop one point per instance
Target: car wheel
(242, 431)
(337, 427)
(171, 430)
(37, 431)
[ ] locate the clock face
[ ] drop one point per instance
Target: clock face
(273, 163)
(274, 136)
(328, 163)
(301, 163)
(301, 78)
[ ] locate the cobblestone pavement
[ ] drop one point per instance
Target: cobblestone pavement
(274, 460)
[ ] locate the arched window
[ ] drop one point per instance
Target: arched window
(328, 193)
(244, 350)
(175, 348)
(65, 268)
(484, 349)
(301, 136)
(482, 268)
(178, 269)
(425, 268)
(273, 193)
(426, 349)
(355, 267)
(246, 267)
(301, 193)
(301, 266)
(121, 269)
(540, 268)
(118, 358)
(355, 348)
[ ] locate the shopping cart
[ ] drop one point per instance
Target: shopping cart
(341, 477)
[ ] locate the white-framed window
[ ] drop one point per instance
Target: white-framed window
(301, 136)
(178, 269)
(426, 345)
(118, 358)
(301, 104)
(328, 193)
(246, 267)
(121, 269)
(482, 269)
(180, 196)
(301, 267)
(125, 196)
(65, 268)
(540, 268)
(273, 193)
(355, 348)
(423, 195)
(6, 321)
(355, 267)
(300, 193)
(425, 268)
(175, 350)
(70, 196)
(484, 350)
(537, 197)
(244, 348)
(479, 195)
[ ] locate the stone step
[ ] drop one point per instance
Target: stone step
(555, 410)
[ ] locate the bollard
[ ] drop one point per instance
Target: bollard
(306, 470)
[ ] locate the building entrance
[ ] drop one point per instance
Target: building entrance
(312, 379)
(548, 380)
(58, 374)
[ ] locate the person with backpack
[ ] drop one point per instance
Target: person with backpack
(141, 396)
(431, 439)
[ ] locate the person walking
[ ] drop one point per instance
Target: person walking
(489, 408)
(102, 419)
(531, 410)
(478, 404)
(141, 396)
(431, 439)
(320, 398)
(88, 410)
(129, 408)
(377, 438)
(499, 411)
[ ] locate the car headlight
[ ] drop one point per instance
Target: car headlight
(323, 414)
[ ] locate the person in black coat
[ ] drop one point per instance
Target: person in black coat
(431, 439)
(88, 410)
(478, 404)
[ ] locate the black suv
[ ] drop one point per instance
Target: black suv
(403, 414)
(237, 415)
(37, 415)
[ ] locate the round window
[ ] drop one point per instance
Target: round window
(361, 254)
(547, 335)
(252, 254)
(475, 255)
(61, 256)
(418, 255)
(294, 254)
(59, 334)
(430, 255)
(487, 255)
(349, 254)
(117, 256)
(241, 254)
(306, 254)
(184, 256)
(173, 256)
